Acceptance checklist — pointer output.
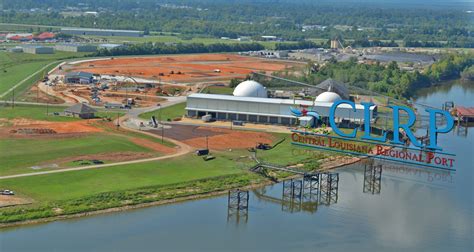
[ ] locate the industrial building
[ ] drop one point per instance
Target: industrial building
(16, 49)
(101, 32)
(110, 46)
(76, 48)
(34, 49)
(79, 78)
(249, 103)
(80, 110)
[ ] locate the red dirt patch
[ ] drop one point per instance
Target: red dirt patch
(12, 200)
(191, 68)
(154, 146)
(230, 139)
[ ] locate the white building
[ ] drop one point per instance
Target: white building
(76, 47)
(36, 49)
(249, 104)
(101, 32)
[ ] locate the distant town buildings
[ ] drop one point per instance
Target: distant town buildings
(36, 49)
(109, 46)
(101, 32)
(76, 47)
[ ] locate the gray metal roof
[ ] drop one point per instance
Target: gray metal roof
(94, 29)
(80, 108)
(269, 100)
(79, 75)
(336, 87)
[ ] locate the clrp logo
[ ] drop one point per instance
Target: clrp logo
(429, 154)
(433, 130)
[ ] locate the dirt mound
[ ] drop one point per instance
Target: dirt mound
(35, 131)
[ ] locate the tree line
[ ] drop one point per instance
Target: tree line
(177, 48)
(294, 21)
(389, 79)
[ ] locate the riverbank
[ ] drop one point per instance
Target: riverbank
(182, 192)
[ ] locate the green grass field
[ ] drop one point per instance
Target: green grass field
(70, 185)
(88, 190)
(19, 155)
(14, 67)
(39, 112)
(170, 112)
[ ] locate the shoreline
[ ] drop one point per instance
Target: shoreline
(3, 226)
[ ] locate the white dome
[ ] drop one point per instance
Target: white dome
(328, 97)
(250, 88)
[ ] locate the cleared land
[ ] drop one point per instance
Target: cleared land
(32, 141)
(185, 68)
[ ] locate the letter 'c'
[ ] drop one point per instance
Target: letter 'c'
(332, 121)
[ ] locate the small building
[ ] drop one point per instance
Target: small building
(110, 46)
(79, 78)
(80, 110)
(269, 38)
(15, 49)
(101, 32)
(34, 49)
(76, 47)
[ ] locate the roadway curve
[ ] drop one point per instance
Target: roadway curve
(182, 149)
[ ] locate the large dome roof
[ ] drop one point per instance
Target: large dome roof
(250, 88)
(328, 97)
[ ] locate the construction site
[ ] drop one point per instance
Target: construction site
(146, 81)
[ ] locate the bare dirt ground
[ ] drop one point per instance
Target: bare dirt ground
(153, 145)
(12, 200)
(184, 68)
(217, 138)
(22, 126)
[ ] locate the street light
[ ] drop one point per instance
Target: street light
(160, 123)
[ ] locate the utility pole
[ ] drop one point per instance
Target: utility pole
(207, 142)
(118, 121)
(47, 101)
(13, 98)
(161, 124)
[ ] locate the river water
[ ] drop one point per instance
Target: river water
(410, 209)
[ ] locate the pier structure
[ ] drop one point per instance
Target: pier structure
(237, 205)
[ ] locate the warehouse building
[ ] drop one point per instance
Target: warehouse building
(34, 49)
(79, 78)
(76, 48)
(80, 110)
(249, 103)
(101, 32)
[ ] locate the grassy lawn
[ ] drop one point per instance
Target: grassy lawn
(170, 112)
(69, 185)
(38, 112)
(35, 113)
(95, 189)
(19, 155)
(14, 67)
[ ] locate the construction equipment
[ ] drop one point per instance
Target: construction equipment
(263, 146)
